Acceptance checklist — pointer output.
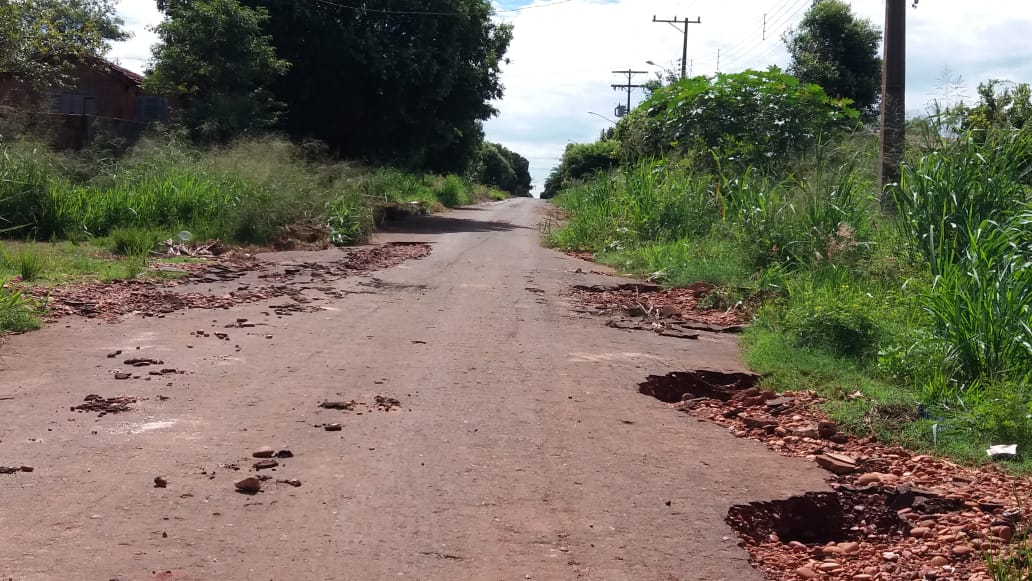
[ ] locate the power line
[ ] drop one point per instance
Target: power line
(430, 13)
(628, 87)
(684, 52)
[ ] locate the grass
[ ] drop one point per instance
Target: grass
(247, 192)
(916, 325)
(17, 313)
(68, 263)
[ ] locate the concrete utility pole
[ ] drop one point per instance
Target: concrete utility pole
(628, 87)
(893, 105)
(684, 51)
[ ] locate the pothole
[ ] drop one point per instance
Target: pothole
(681, 385)
(818, 518)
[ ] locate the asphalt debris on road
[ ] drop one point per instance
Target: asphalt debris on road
(105, 405)
(891, 514)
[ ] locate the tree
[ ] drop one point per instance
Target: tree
(214, 56)
(40, 40)
(757, 118)
(838, 51)
(406, 81)
(581, 161)
(502, 168)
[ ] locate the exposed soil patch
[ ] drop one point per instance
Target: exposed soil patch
(104, 406)
(111, 301)
(814, 518)
(892, 514)
(651, 307)
(686, 385)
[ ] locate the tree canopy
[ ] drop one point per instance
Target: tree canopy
(41, 39)
(498, 166)
(407, 85)
(215, 57)
(759, 118)
(835, 49)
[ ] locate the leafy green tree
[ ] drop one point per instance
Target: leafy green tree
(833, 48)
(406, 81)
(581, 161)
(214, 56)
(40, 40)
(1000, 107)
(498, 166)
(759, 118)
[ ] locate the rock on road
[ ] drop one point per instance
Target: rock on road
(521, 448)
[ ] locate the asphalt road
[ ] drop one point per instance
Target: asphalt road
(521, 448)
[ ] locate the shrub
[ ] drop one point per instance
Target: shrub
(350, 220)
(752, 118)
(830, 312)
(452, 191)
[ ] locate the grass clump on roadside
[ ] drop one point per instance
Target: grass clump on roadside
(17, 313)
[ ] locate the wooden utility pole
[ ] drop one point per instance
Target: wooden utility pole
(893, 105)
(628, 86)
(684, 50)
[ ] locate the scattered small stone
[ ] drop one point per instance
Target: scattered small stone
(827, 429)
(142, 362)
(123, 375)
(332, 427)
(264, 452)
(284, 454)
(160, 482)
(758, 422)
(265, 464)
(837, 463)
(249, 485)
(939, 561)
(114, 354)
(339, 405)
(26, 468)
(292, 481)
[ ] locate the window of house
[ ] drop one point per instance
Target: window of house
(151, 109)
(73, 104)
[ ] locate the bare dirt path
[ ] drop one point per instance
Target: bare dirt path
(521, 448)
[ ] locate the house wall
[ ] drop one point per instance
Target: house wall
(115, 96)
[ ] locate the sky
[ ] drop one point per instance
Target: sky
(557, 83)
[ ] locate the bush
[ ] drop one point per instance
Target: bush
(752, 118)
(582, 161)
(828, 311)
(453, 191)
(350, 220)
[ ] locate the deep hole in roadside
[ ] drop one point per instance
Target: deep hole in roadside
(821, 517)
(681, 385)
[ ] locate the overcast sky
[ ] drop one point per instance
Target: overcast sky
(564, 52)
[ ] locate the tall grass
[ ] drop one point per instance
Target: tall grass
(932, 305)
(17, 313)
(247, 192)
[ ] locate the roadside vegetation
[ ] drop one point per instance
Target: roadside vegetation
(909, 309)
(259, 147)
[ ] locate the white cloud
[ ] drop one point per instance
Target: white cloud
(139, 16)
(562, 55)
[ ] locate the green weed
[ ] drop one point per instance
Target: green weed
(17, 313)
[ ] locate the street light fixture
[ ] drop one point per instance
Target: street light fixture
(602, 117)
